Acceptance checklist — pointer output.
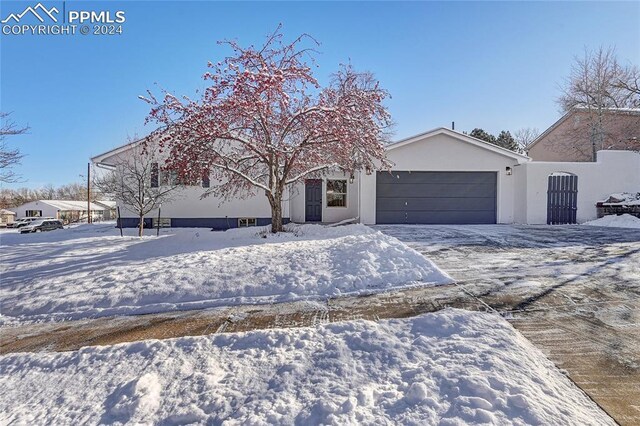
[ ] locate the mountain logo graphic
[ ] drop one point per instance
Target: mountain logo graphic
(34, 11)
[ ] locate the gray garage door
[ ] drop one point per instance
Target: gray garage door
(436, 197)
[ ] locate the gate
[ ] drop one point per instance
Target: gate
(562, 199)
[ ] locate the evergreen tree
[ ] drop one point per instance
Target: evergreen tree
(482, 135)
(505, 140)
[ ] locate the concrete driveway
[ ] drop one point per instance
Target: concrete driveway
(574, 291)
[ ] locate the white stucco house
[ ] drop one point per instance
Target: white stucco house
(66, 210)
(438, 177)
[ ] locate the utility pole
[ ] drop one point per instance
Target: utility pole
(88, 192)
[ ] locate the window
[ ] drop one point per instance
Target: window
(155, 175)
(33, 213)
(336, 193)
(245, 222)
(162, 222)
(169, 177)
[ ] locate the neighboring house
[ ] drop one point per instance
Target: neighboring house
(67, 210)
(581, 132)
(109, 206)
(438, 177)
(6, 217)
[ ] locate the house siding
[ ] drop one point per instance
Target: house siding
(220, 223)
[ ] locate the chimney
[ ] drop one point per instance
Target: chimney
(453, 125)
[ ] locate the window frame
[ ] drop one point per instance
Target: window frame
(345, 194)
(247, 221)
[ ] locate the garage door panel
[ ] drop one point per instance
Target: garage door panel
(435, 218)
(475, 217)
(435, 204)
(436, 190)
(436, 177)
(436, 197)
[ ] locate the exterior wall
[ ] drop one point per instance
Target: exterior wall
(47, 210)
(188, 209)
(329, 214)
(553, 146)
(570, 140)
(446, 153)
(51, 211)
(6, 218)
(614, 171)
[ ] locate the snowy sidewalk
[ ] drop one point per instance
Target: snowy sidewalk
(73, 335)
(450, 367)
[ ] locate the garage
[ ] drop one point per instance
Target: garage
(429, 197)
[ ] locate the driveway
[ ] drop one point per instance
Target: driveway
(574, 291)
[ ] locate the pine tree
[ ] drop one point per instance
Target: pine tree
(505, 140)
(482, 135)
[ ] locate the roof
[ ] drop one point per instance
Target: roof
(115, 151)
(462, 137)
(5, 211)
(625, 111)
(437, 131)
(68, 204)
(106, 203)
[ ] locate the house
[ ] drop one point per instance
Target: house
(67, 210)
(6, 217)
(438, 177)
(109, 212)
(581, 132)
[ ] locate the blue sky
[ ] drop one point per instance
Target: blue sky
(495, 65)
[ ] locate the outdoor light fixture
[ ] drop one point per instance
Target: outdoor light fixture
(351, 178)
(509, 171)
(368, 170)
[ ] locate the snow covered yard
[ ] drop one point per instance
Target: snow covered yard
(91, 271)
(450, 367)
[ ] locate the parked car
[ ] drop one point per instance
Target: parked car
(24, 221)
(42, 225)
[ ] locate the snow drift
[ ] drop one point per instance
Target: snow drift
(91, 271)
(614, 221)
(451, 367)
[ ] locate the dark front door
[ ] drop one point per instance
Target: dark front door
(313, 200)
(436, 197)
(562, 199)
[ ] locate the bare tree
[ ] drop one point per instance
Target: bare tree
(525, 137)
(139, 181)
(9, 157)
(597, 84)
(630, 81)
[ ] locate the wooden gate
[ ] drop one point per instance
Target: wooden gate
(562, 199)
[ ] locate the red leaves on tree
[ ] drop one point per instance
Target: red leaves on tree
(264, 122)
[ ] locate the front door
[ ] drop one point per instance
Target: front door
(313, 200)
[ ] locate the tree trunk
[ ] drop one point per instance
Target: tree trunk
(275, 201)
(141, 226)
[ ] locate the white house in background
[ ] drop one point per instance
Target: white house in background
(6, 217)
(438, 177)
(109, 212)
(66, 210)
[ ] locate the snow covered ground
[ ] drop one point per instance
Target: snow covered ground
(451, 367)
(90, 270)
(615, 221)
